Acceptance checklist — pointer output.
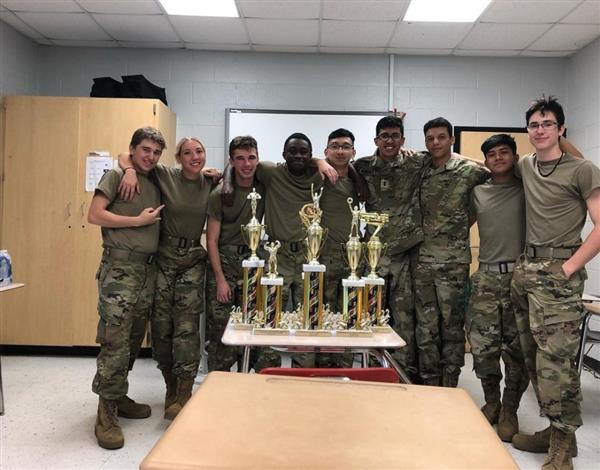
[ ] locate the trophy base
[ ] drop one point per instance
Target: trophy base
(313, 332)
(259, 263)
(354, 333)
(382, 329)
(242, 326)
(270, 331)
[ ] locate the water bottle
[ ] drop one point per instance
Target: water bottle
(5, 268)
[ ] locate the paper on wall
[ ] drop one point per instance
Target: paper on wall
(96, 164)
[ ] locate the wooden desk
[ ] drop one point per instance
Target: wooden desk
(237, 421)
(592, 305)
(14, 285)
(376, 344)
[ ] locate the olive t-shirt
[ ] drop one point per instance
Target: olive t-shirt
(555, 205)
(500, 212)
(140, 239)
(286, 194)
(239, 213)
(185, 202)
(337, 217)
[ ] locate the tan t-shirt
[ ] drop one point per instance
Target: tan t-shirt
(337, 217)
(500, 213)
(555, 205)
(185, 202)
(239, 213)
(286, 194)
(140, 239)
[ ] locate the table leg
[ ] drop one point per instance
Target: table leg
(246, 360)
(1, 392)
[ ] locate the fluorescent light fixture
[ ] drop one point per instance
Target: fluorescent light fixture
(221, 8)
(445, 11)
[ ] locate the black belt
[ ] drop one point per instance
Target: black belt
(502, 268)
(550, 252)
(180, 242)
(127, 255)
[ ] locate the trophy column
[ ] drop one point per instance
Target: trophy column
(313, 275)
(270, 289)
(353, 286)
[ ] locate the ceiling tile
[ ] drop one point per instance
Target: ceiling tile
(283, 32)
(17, 23)
(566, 37)
(486, 52)
(588, 13)
(523, 11)
(289, 9)
(151, 45)
(40, 6)
(352, 50)
(429, 35)
(374, 10)
(502, 36)
(137, 28)
(122, 7)
(287, 49)
(217, 47)
(356, 33)
(409, 51)
(62, 42)
(74, 26)
(210, 30)
(528, 53)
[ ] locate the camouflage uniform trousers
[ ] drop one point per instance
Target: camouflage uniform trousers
(220, 356)
(399, 298)
(549, 314)
(126, 289)
(492, 333)
(440, 298)
(178, 303)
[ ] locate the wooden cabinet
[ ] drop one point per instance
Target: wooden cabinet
(43, 218)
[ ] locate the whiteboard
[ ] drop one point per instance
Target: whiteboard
(271, 127)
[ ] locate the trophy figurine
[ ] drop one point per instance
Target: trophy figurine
(353, 286)
(270, 287)
(253, 266)
(373, 290)
(313, 271)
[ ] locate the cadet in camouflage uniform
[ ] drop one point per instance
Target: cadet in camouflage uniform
(181, 260)
(549, 279)
(126, 278)
(227, 248)
(442, 268)
(393, 181)
(498, 206)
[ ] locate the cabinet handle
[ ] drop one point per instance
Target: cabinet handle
(68, 210)
(82, 209)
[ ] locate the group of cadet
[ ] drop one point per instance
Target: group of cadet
(525, 305)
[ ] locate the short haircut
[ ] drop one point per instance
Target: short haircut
(389, 121)
(496, 140)
(246, 142)
(438, 122)
(546, 105)
(148, 133)
(341, 133)
(298, 135)
(183, 141)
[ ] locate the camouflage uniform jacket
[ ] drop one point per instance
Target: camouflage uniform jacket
(445, 194)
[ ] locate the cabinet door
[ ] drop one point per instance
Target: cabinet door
(39, 217)
(105, 124)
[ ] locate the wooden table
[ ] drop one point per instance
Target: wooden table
(14, 285)
(377, 344)
(239, 421)
(592, 306)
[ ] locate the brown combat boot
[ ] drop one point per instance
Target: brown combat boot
(184, 392)
(127, 408)
(491, 411)
(171, 383)
(559, 457)
(508, 423)
(539, 442)
(107, 429)
(491, 394)
(450, 380)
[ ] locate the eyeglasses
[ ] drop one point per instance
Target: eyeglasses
(386, 136)
(336, 147)
(534, 126)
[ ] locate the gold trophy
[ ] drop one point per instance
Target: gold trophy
(270, 293)
(313, 271)
(253, 266)
(353, 285)
(373, 290)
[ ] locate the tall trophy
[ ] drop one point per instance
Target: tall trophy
(353, 285)
(253, 266)
(270, 289)
(313, 271)
(373, 290)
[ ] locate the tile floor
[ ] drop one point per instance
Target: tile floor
(50, 413)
